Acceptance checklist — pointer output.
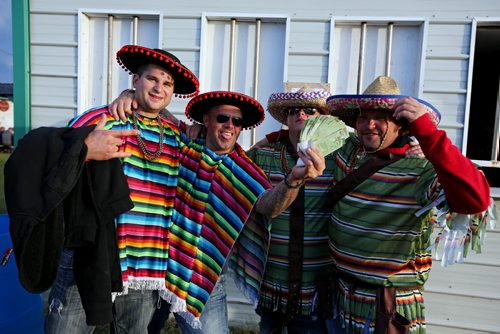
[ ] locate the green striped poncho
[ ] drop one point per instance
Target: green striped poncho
(273, 292)
(385, 240)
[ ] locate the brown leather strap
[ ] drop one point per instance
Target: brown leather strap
(348, 183)
(387, 320)
(296, 254)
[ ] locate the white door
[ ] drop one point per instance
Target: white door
(101, 34)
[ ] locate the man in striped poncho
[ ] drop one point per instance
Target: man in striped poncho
(150, 162)
(380, 232)
(284, 280)
(218, 188)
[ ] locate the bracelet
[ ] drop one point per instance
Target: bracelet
(285, 181)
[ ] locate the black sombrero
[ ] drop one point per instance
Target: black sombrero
(251, 109)
(130, 57)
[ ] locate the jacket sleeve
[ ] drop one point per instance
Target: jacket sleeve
(467, 190)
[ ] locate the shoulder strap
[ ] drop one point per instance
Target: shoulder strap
(348, 183)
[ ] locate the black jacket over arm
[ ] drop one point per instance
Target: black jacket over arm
(54, 200)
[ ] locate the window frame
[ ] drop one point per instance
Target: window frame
(84, 17)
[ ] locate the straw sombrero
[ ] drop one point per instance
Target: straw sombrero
(381, 94)
(251, 109)
(305, 97)
(130, 57)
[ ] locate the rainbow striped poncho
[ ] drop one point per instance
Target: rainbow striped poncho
(215, 196)
(143, 232)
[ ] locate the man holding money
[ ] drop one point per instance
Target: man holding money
(298, 250)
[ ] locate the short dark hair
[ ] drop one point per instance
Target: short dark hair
(142, 68)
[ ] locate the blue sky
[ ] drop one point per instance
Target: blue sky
(5, 41)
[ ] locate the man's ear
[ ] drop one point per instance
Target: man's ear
(205, 120)
(135, 78)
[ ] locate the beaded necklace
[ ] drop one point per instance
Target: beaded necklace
(286, 147)
(151, 156)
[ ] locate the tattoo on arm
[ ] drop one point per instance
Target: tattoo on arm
(274, 201)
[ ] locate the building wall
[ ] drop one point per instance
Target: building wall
(461, 299)
(54, 38)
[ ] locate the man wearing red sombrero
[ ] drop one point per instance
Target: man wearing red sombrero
(150, 162)
(218, 188)
(380, 232)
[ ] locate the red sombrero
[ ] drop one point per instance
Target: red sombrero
(251, 109)
(130, 57)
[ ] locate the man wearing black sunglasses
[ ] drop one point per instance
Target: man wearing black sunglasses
(224, 124)
(307, 110)
(298, 248)
(224, 115)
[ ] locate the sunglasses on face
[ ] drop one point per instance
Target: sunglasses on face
(295, 110)
(237, 121)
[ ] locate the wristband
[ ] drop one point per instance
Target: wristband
(289, 186)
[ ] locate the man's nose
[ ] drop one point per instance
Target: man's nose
(302, 113)
(371, 122)
(157, 87)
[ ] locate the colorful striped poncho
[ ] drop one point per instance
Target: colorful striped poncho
(381, 234)
(143, 232)
(215, 196)
(270, 289)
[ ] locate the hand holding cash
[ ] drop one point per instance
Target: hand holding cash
(326, 132)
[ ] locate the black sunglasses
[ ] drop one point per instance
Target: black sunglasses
(295, 110)
(237, 121)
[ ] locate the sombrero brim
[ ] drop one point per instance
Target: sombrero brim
(251, 109)
(131, 57)
(279, 102)
(346, 107)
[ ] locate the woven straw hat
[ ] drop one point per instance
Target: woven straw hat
(305, 97)
(131, 57)
(381, 94)
(251, 109)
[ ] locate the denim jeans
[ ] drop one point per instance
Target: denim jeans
(335, 326)
(213, 318)
(66, 315)
(273, 322)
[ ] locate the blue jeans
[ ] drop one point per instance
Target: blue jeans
(335, 326)
(66, 315)
(273, 322)
(213, 318)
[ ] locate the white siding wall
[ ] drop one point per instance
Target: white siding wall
(308, 51)
(53, 68)
(461, 299)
